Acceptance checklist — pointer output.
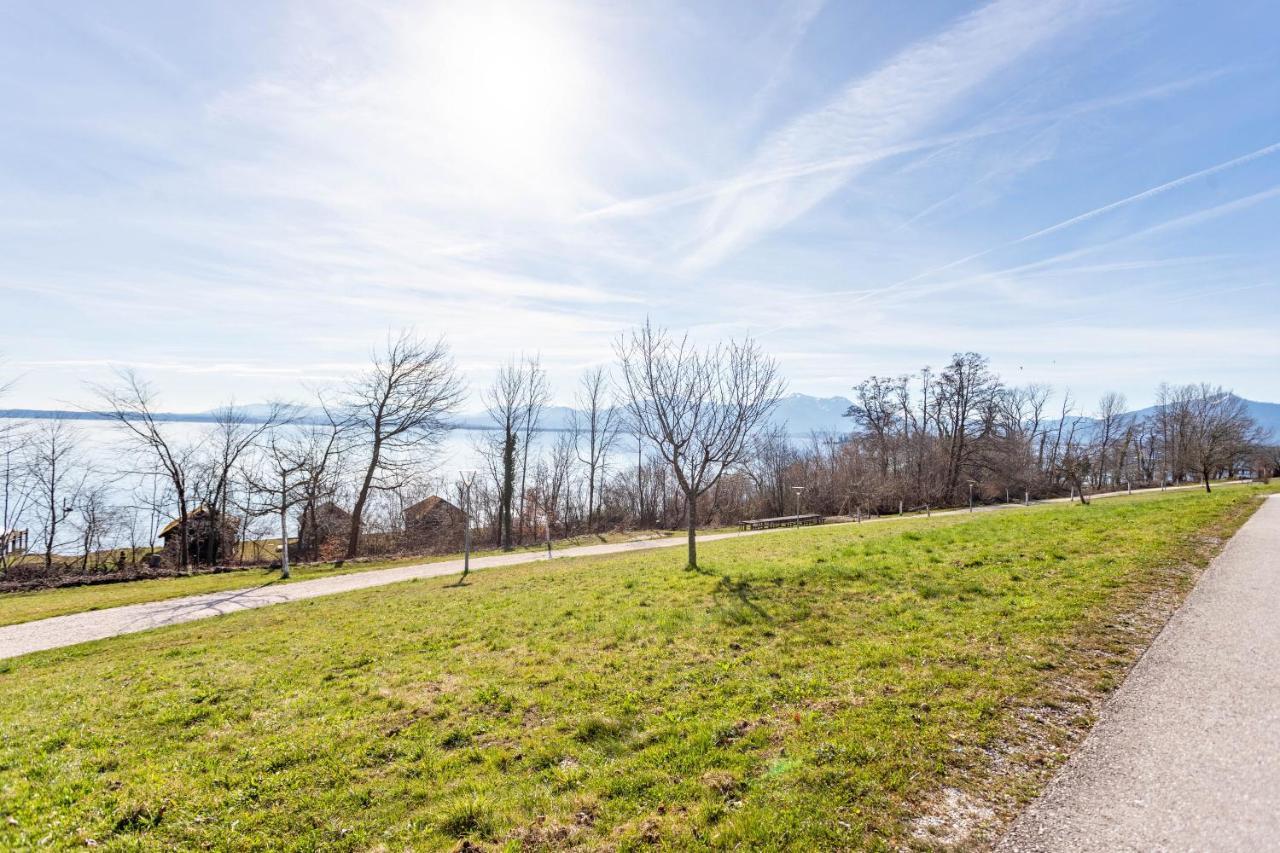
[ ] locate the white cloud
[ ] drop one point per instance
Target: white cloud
(885, 109)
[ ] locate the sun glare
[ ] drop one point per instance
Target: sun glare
(503, 82)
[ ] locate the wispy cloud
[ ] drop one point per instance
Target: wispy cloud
(792, 28)
(743, 182)
(251, 202)
(885, 109)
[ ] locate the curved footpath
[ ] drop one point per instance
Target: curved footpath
(59, 631)
(1186, 754)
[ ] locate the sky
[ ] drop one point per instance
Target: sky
(241, 199)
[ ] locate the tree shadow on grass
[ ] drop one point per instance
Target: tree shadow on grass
(735, 601)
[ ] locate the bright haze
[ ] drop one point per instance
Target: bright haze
(240, 199)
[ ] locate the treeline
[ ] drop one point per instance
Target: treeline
(668, 436)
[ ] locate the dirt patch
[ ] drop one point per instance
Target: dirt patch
(951, 820)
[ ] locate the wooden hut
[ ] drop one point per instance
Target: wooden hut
(205, 544)
(434, 524)
(320, 527)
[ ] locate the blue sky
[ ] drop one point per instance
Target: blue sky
(240, 198)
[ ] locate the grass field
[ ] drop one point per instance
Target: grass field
(18, 607)
(874, 686)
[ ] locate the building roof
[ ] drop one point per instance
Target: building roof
(199, 512)
(426, 507)
(331, 509)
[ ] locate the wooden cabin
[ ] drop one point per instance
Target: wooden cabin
(322, 526)
(205, 545)
(434, 523)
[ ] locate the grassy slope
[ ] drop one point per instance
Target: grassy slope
(814, 688)
(41, 604)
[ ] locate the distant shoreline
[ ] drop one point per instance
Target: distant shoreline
(187, 417)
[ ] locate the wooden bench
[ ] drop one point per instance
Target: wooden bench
(781, 521)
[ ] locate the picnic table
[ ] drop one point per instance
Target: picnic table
(781, 521)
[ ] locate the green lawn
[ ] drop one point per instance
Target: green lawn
(811, 689)
(18, 607)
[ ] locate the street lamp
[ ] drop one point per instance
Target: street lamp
(466, 479)
(971, 496)
(797, 490)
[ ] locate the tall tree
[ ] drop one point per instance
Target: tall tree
(964, 392)
(399, 409)
(504, 401)
(536, 395)
(699, 408)
(596, 423)
(277, 478)
(234, 432)
(1110, 429)
(320, 449)
(57, 475)
(130, 403)
(1220, 432)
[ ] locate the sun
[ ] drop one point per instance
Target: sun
(502, 83)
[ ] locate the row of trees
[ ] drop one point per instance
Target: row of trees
(671, 436)
(930, 437)
(375, 450)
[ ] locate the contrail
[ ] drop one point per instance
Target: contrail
(1067, 223)
(1154, 191)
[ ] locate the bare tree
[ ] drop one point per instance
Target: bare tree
(95, 520)
(596, 423)
(14, 494)
(504, 401)
(700, 409)
(277, 478)
(1111, 428)
(1220, 432)
(234, 432)
(130, 404)
(772, 460)
(321, 455)
(57, 475)
(399, 408)
(536, 396)
(964, 393)
(553, 483)
(152, 498)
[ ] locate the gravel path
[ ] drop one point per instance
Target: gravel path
(1186, 755)
(69, 630)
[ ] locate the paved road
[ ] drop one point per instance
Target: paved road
(60, 631)
(1186, 755)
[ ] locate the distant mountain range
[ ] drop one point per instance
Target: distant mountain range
(800, 414)
(1266, 415)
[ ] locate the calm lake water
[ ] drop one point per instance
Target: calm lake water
(105, 448)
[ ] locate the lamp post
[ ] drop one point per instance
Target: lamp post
(971, 496)
(466, 479)
(797, 490)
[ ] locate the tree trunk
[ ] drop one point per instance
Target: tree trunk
(183, 529)
(1205, 474)
(508, 489)
(357, 511)
(691, 518)
(284, 528)
(591, 500)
